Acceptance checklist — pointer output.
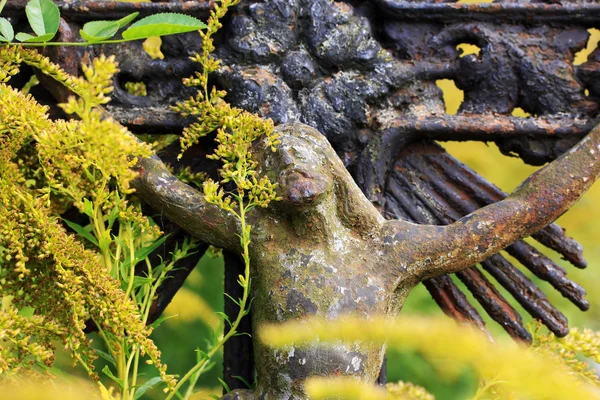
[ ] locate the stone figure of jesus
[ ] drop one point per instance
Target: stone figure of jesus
(325, 250)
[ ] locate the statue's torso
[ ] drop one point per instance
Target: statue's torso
(301, 277)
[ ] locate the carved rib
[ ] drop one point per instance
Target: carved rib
(443, 290)
(520, 287)
(546, 269)
(494, 303)
(529, 296)
(523, 290)
(453, 301)
(449, 199)
(483, 290)
(531, 258)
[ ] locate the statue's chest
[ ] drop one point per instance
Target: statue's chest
(330, 282)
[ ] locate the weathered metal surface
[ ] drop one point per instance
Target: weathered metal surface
(363, 74)
(429, 186)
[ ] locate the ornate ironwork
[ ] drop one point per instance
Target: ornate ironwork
(363, 73)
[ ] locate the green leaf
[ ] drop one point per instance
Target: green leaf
(112, 217)
(89, 175)
(225, 317)
(244, 381)
(2, 4)
(160, 320)
(141, 254)
(44, 17)
(236, 302)
(225, 385)
(24, 37)
(7, 34)
(27, 38)
(26, 312)
(139, 392)
(82, 232)
(163, 24)
(126, 20)
(106, 356)
(109, 373)
(42, 39)
(96, 31)
(201, 355)
(140, 281)
(88, 208)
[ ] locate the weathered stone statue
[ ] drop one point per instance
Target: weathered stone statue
(325, 249)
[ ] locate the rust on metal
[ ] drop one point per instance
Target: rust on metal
(363, 74)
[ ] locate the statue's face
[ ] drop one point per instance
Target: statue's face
(304, 176)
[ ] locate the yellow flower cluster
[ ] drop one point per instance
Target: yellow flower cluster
(188, 176)
(236, 129)
(449, 346)
(408, 391)
(9, 62)
(570, 349)
(353, 389)
(44, 269)
(136, 88)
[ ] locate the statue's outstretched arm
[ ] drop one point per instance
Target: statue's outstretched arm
(184, 205)
(426, 251)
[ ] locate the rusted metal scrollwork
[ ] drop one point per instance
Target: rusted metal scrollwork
(363, 74)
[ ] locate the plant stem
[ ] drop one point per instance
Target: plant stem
(195, 372)
(74, 44)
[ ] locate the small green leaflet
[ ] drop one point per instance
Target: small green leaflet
(81, 231)
(162, 24)
(106, 356)
(22, 37)
(97, 31)
(109, 373)
(139, 392)
(160, 320)
(225, 385)
(44, 18)
(26, 312)
(88, 208)
(7, 34)
(244, 381)
(144, 252)
(2, 4)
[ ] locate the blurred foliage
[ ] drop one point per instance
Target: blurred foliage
(548, 370)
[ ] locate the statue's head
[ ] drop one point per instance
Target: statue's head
(309, 172)
(301, 166)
